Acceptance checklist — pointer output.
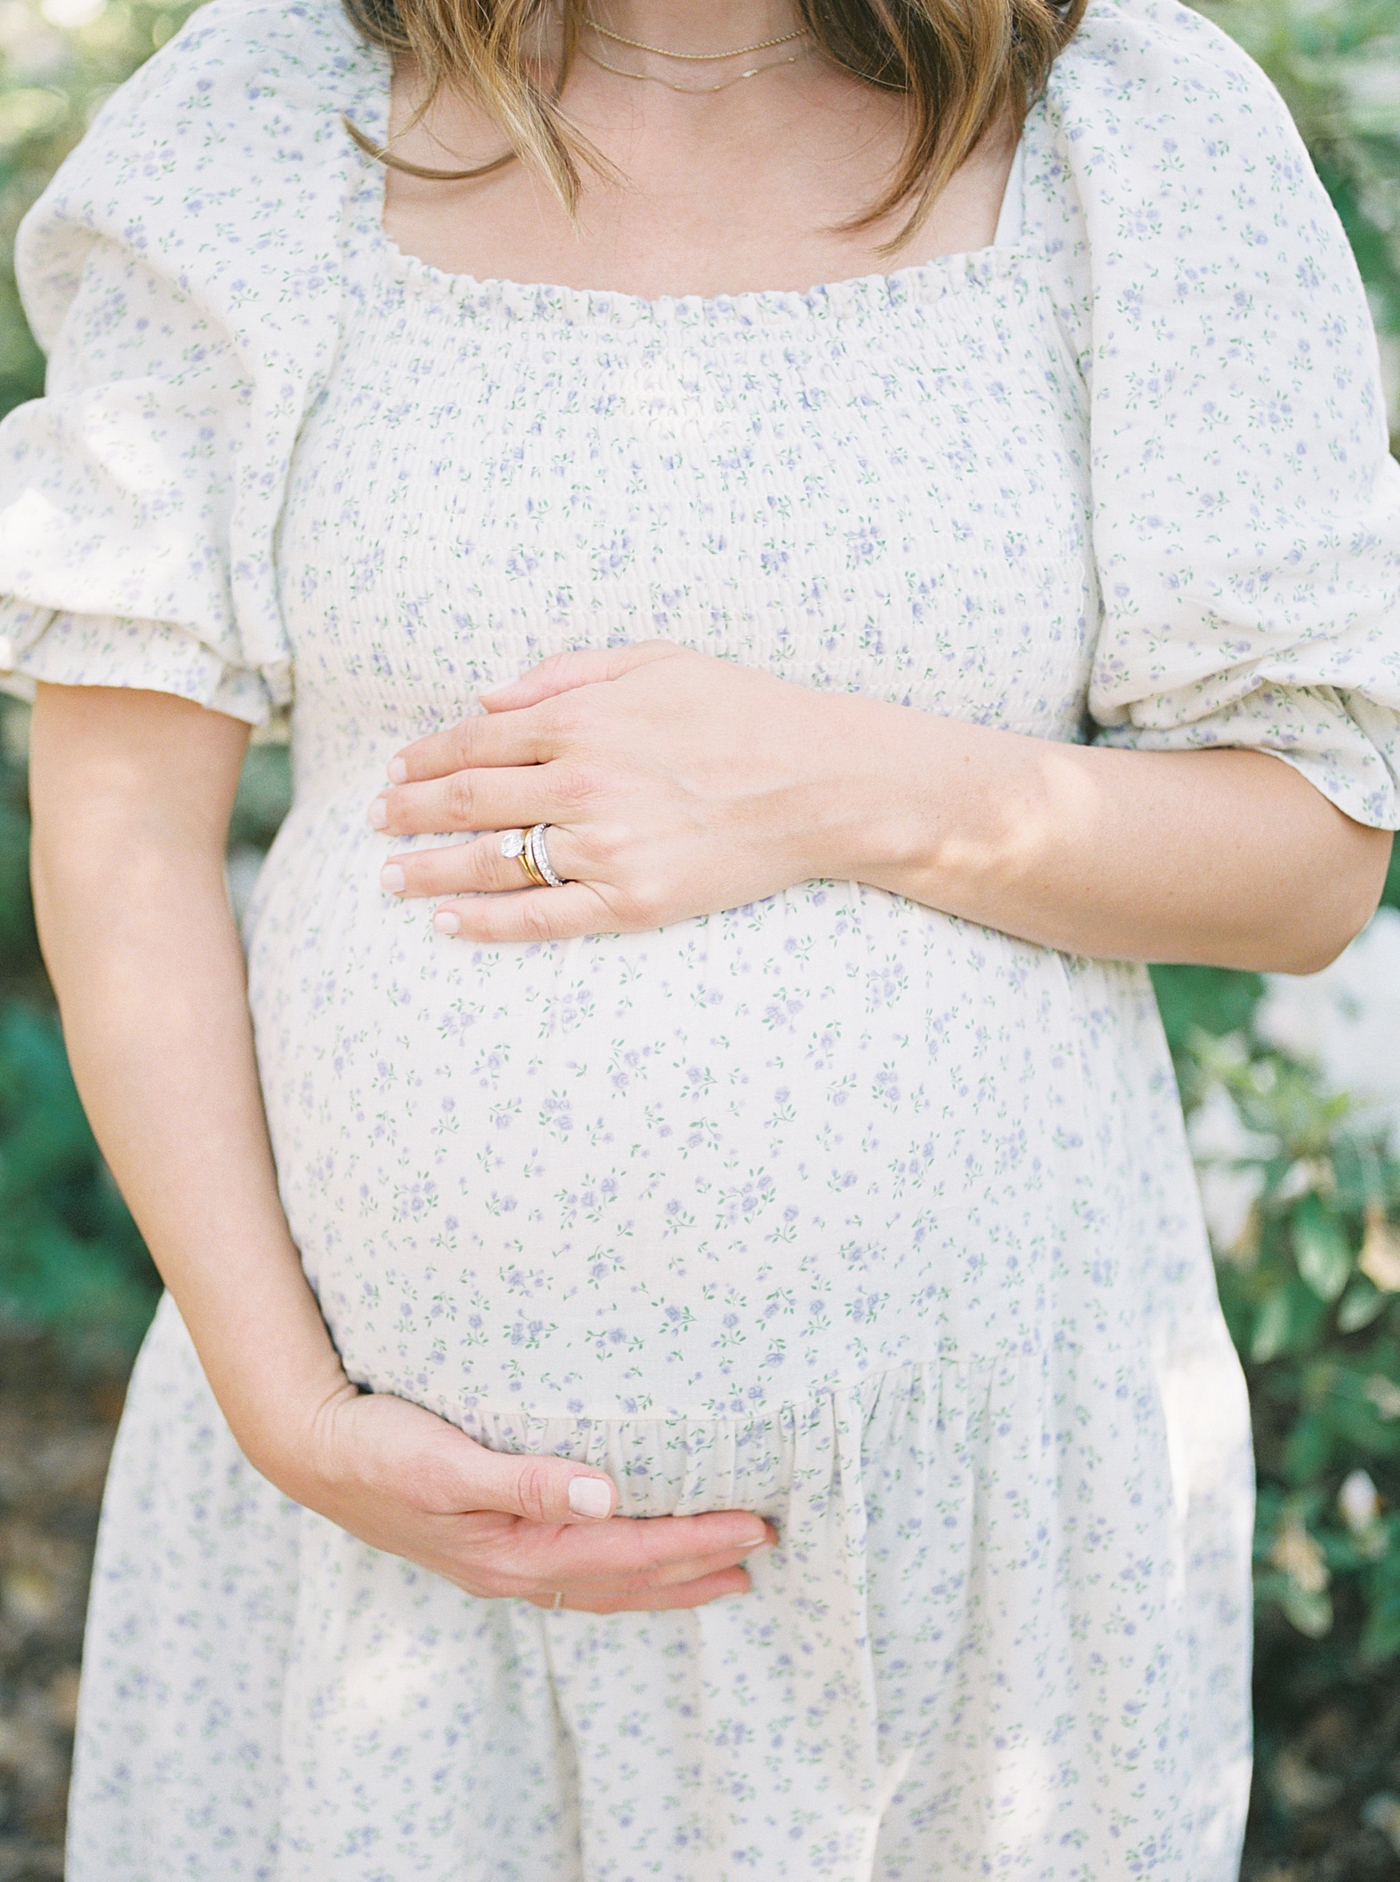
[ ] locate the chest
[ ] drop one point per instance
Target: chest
(880, 486)
(756, 185)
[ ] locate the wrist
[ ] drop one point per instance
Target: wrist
(290, 1440)
(278, 1381)
(868, 814)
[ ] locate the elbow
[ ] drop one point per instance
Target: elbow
(1327, 919)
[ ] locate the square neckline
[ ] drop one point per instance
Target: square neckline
(523, 298)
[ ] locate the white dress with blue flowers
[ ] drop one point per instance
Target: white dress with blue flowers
(831, 1207)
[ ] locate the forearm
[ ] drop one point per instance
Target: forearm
(678, 784)
(1226, 857)
(146, 962)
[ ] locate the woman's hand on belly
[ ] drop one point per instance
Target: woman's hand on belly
(498, 1525)
(677, 785)
(674, 785)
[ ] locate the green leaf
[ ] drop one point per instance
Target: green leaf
(1216, 999)
(1320, 1248)
(1270, 1329)
(1361, 1304)
(1310, 1613)
(1287, 1321)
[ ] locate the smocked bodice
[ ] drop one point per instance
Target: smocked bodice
(880, 486)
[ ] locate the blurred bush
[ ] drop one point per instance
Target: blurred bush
(1292, 1093)
(1292, 1099)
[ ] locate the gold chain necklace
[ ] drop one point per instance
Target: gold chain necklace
(692, 91)
(696, 58)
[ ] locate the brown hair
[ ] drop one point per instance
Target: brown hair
(963, 65)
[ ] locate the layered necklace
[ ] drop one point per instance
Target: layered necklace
(691, 58)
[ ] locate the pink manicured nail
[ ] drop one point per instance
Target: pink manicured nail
(398, 771)
(589, 1496)
(392, 879)
(446, 922)
(379, 812)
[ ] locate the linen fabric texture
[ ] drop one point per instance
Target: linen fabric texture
(834, 1208)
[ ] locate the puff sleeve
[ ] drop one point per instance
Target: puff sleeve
(1246, 507)
(183, 273)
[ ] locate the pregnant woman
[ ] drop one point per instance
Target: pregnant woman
(690, 1349)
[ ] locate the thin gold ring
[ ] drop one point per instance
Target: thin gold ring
(516, 844)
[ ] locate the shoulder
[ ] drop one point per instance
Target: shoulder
(225, 145)
(1153, 60)
(279, 69)
(1154, 103)
(241, 59)
(1175, 195)
(241, 84)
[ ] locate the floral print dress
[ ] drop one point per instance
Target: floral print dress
(832, 1207)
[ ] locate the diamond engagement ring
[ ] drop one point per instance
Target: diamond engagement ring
(515, 847)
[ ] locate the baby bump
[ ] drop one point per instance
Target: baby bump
(700, 1170)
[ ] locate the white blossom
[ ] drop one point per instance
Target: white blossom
(1359, 1503)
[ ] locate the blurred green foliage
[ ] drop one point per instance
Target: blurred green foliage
(1311, 1283)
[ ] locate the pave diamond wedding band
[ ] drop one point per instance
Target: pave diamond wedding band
(539, 855)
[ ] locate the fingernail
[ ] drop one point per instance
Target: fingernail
(392, 879)
(590, 1496)
(764, 1542)
(446, 922)
(379, 812)
(398, 771)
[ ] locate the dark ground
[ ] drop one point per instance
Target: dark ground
(1327, 1805)
(55, 1436)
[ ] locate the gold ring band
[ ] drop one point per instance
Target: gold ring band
(515, 844)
